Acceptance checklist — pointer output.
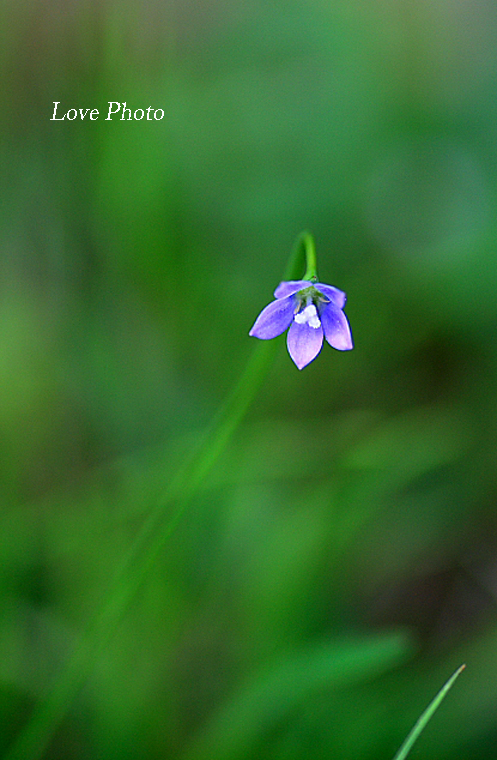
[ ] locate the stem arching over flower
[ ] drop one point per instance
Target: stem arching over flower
(312, 310)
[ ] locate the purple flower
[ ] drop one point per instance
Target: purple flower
(309, 309)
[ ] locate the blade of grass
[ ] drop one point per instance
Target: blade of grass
(234, 730)
(34, 739)
(421, 723)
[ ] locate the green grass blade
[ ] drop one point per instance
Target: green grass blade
(420, 724)
(33, 740)
(234, 731)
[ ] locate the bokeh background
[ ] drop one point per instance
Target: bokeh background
(357, 503)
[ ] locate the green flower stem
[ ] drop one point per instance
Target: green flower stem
(34, 739)
(420, 724)
(304, 245)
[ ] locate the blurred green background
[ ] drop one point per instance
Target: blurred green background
(340, 562)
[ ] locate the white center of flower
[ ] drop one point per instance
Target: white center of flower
(309, 316)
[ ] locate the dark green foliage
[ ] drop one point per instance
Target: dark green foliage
(352, 519)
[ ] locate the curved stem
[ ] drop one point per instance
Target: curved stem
(304, 249)
(34, 739)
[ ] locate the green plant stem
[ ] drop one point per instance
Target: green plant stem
(420, 724)
(305, 245)
(34, 739)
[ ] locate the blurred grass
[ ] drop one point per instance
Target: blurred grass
(359, 498)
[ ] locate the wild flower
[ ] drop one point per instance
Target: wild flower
(311, 310)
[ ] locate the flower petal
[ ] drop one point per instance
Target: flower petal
(289, 288)
(273, 319)
(336, 328)
(304, 343)
(337, 297)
